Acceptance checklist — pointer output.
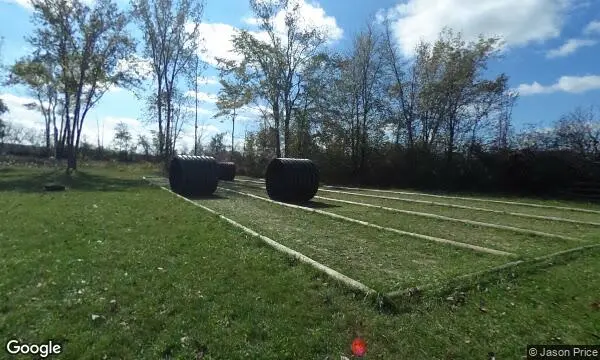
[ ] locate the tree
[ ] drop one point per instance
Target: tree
(18, 134)
(273, 69)
(503, 127)
(3, 130)
(579, 131)
(181, 115)
(457, 94)
(122, 137)
(3, 109)
(231, 97)
(401, 88)
(39, 73)
(216, 147)
(170, 29)
(88, 44)
(364, 70)
(534, 138)
(145, 144)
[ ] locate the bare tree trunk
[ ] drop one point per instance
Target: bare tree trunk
(232, 134)
(363, 145)
(277, 133)
(48, 143)
(196, 119)
(168, 127)
(286, 126)
(159, 110)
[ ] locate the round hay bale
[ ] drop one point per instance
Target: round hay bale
(226, 171)
(193, 175)
(292, 180)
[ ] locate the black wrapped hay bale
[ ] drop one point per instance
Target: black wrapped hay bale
(193, 175)
(292, 180)
(226, 171)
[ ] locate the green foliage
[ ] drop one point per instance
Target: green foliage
(2, 130)
(3, 108)
(273, 71)
(80, 51)
(145, 144)
(216, 147)
(170, 31)
(122, 137)
(231, 97)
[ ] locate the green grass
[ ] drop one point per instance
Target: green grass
(510, 241)
(381, 260)
(575, 215)
(587, 232)
(184, 281)
(581, 204)
(548, 200)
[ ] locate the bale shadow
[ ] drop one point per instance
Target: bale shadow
(205, 197)
(315, 205)
(34, 181)
(501, 195)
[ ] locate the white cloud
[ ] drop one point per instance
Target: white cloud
(592, 28)
(107, 127)
(203, 96)
(312, 16)
(250, 20)
(137, 65)
(26, 4)
(568, 84)
(210, 80)
(18, 113)
(205, 132)
(201, 110)
(108, 88)
(23, 3)
(252, 113)
(216, 40)
(216, 37)
(569, 47)
(518, 22)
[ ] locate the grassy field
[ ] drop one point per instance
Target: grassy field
(521, 244)
(562, 228)
(117, 269)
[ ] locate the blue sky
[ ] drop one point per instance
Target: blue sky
(551, 54)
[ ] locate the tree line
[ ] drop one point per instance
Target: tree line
(367, 114)
(372, 116)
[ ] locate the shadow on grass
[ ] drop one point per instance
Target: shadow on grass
(315, 205)
(562, 195)
(205, 197)
(6, 170)
(34, 181)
